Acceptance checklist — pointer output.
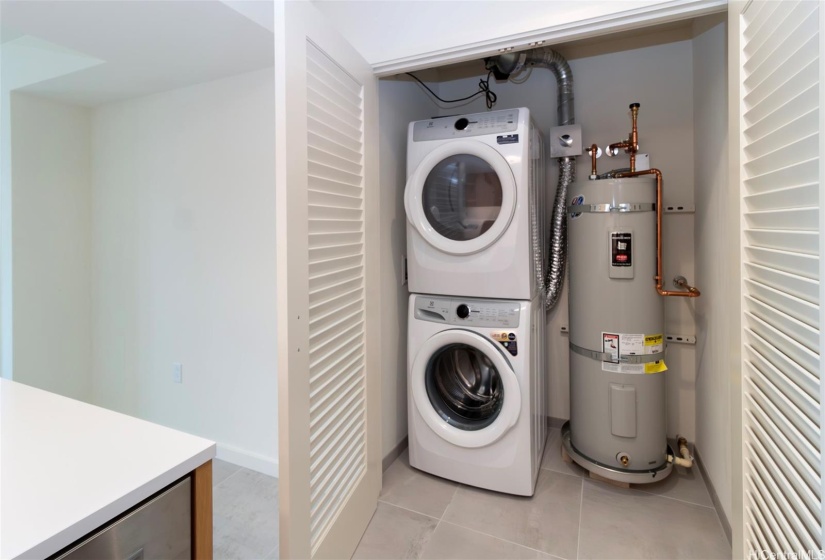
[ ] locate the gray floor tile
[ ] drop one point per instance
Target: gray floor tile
(618, 523)
(451, 542)
(245, 516)
(412, 489)
(549, 521)
(552, 456)
(682, 484)
(221, 470)
(395, 533)
(274, 555)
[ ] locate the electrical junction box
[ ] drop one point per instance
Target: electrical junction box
(565, 141)
(642, 162)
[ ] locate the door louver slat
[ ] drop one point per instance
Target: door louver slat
(794, 437)
(323, 185)
(774, 439)
(806, 335)
(799, 357)
(792, 262)
(797, 308)
(335, 121)
(341, 163)
(792, 197)
(798, 174)
(320, 129)
(781, 191)
(802, 288)
(759, 14)
(767, 524)
(799, 84)
(798, 517)
(337, 382)
(803, 241)
(801, 102)
(788, 34)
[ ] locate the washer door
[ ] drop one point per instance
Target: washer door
(464, 388)
(461, 198)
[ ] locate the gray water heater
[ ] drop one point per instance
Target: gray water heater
(618, 420)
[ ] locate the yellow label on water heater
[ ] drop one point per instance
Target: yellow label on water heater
(654, 339)
(655, 367)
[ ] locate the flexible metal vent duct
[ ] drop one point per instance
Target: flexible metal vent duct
(502, 66)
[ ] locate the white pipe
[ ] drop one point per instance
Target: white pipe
(685, 460)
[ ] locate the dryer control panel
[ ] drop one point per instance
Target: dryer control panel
(468, 311)
(464, 126)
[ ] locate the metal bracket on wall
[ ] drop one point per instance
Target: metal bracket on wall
(683, 209)
(681, 338)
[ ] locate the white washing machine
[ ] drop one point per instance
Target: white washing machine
(476, 390)
(475, 205)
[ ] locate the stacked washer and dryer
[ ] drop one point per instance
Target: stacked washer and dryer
(476, 375)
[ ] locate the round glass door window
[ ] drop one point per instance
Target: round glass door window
(462, 197)
(464, 387)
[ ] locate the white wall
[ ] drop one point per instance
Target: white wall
(716, 221)
(608, 77)
(24, 60)
(50, 153)
(183, 190)
(401, 102)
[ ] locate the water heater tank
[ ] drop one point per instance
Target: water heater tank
(617, 425)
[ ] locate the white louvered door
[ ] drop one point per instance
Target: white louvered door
(327, 220)
(780, 50)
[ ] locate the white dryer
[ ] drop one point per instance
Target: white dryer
(475, 205)
(476, 390)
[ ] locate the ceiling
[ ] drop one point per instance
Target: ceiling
(137, 47)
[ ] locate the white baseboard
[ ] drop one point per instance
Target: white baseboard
(248, 459)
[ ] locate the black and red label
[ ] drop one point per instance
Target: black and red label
(621, 249)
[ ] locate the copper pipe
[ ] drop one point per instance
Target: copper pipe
(623, 145)
(594, 150)
(634, 136)
(682, 283)
(631, 145)
(659, 274)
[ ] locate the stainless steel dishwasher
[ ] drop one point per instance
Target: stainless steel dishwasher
(159, 529)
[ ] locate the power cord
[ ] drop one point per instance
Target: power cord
(483, 86)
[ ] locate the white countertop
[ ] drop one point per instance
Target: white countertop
(67, 467)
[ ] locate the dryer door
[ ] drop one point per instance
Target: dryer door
(464, 388)
(461, 197)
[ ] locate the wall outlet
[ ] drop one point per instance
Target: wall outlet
(177, 372)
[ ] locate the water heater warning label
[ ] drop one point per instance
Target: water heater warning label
(610, 345)
(619, 346)
(621, 245)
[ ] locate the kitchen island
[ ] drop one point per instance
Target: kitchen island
(68, 468)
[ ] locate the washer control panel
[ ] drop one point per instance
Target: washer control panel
(463, 126)
(468, 311)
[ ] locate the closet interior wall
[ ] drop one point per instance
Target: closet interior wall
(657, 68)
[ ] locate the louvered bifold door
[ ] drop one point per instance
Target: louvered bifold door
(328, 309)
(780, 50)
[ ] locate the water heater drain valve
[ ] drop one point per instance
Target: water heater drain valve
(623, 458)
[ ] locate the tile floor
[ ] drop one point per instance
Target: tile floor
(244, 513)
(423, 516)
(570, 516)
